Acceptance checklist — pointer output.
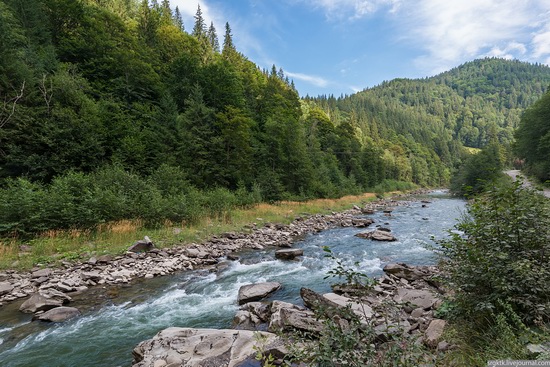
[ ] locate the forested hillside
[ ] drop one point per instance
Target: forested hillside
(424, 123)
(113, 109)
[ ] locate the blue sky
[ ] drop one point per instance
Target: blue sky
(343, 46)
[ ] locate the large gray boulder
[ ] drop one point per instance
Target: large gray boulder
(433, 334)
(405, 271)
(417, 297)
(285, 316)
(58, 314)
(256, 292)
(200, 347)
(5, 288)
(377, 235)
(289, 254)
(40, 302)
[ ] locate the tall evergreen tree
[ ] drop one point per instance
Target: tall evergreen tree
(178, 19)
(228, 46)
(199, 30)
(213, 38)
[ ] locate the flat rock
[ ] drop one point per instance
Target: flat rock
(417, 297)
(39, 302)
(201, 347)
(404, 271)
(377, 235)
(5, 288)
(59, 314)
(143, 245)
(434, 332)
(42, 273)
(362, 310)
(286, 316)
(256, 292)
(289, 254)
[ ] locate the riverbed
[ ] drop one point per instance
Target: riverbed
(116, 319)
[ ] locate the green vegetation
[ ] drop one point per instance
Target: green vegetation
(497, 267)
(533, 139)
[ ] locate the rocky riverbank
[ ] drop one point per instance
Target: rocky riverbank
(400, 307)
(49, 283)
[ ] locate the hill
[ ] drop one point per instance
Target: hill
(432, 118)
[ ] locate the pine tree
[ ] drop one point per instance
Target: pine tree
(199, 30)
(228, 47)
(178, 19)
(213, 38)
(166, 12)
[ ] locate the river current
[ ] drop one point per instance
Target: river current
(115, 320)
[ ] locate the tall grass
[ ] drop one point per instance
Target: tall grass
(116, 236)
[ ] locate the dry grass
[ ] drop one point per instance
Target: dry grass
(116, 237)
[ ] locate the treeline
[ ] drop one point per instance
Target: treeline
(92, 87)
(423, 124)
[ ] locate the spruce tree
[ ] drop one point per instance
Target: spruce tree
(199, 30)
(178, 19)
(213, 38)
(228, 47)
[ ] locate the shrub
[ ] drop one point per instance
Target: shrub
(500, 256)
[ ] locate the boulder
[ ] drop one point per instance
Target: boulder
(256, 292)
(362, 310)
(42, 273)
(434, 332)
(5, 288)
(314, 300)
(40, 302)
(362, 222)
(58, 314)
(143, 245)
(377, 235)
(251, 315)
(404, 271)
(289, 254)
(416, 297)
(201, 347)
(285, 315)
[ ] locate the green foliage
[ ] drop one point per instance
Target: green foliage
(533, 138)
(478, 170)
(500, 256)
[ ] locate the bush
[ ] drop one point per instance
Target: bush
(500, 256)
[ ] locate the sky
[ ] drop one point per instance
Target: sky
(344, 46)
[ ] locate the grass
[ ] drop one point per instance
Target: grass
(114, 238)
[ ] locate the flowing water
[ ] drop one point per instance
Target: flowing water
(116, 319)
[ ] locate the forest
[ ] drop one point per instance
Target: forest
(115, 109)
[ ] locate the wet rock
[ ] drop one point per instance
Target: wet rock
(39, 302)
(5, 288)
(256, 292)
(201, 347)
(58, 314)
(361, 222)
(377, 235)
(288, 254)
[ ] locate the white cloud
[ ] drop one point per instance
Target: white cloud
(312, 79)
(452, 32)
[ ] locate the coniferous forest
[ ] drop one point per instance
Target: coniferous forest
(115, 109)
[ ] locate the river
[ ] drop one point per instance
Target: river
(116, 319)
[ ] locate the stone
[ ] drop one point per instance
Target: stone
(148, 276)
(377, 235)
(91, 275)
(104, 259)
(42, 273)
(314, 300)
(420, 298)
(58, 314)
(143, 245)
(404, 271)
(5, 288)
(201, 347)
(362, 310)
(39, 302)
(417, 312)
(288, 254)
(537, 349)
(361, 222)
(285, 315)
(433, 334)
(256, 292)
